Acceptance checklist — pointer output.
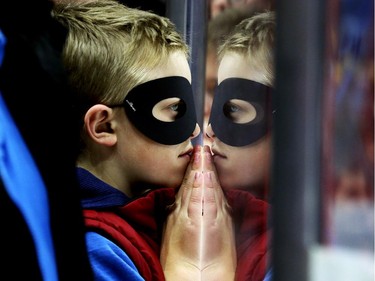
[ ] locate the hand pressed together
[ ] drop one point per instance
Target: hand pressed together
(198, 241)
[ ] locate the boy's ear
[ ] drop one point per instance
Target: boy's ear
(98, 122)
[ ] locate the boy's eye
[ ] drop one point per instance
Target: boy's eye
(230, 108)
(175, 107)
(239, 111)
(169, 110)
(178, 109)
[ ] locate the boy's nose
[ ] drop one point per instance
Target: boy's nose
(210, 133)
(196, 131)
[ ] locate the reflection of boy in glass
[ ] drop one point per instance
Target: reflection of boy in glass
(239, 129)
(218, 28)
(240, 120)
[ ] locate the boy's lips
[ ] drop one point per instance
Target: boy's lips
(217, 153)
(188, 152)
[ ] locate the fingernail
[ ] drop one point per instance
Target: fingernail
(197, 160)
(208, 157)
(208, 179)
(197, 179)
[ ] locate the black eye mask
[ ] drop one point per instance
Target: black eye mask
(235, 134)
(141, 100)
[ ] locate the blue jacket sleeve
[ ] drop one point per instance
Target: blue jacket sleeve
(108, 261)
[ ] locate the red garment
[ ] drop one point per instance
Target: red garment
(250, 216)
(137, 229)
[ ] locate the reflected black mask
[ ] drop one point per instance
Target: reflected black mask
(236, 134)
(141, 100)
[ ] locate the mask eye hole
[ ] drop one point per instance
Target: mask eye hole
(169, 110)
(239, 111)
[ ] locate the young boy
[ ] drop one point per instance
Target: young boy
(130, 72)
(240, 131)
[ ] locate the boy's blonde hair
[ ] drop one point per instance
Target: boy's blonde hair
(111, 48)
(254, 38)
(221, 25)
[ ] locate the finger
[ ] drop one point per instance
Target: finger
(190, 196)
(184, 192)
(187, 181)
(196, 196)
(221, 200)
(194, 161)
(213, 176)
(209, 198)
(208, 164)
(215, 203)
(197, 158)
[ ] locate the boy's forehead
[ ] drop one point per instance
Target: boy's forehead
(234, 65)
(176, 65)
